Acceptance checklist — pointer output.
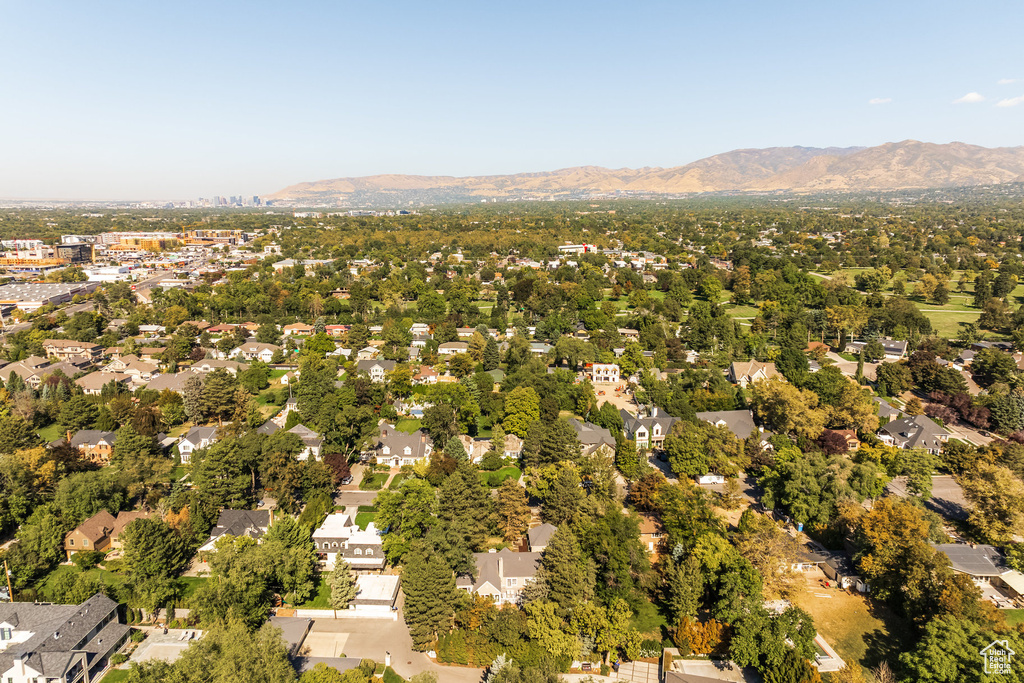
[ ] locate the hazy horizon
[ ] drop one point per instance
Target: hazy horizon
(130, 102)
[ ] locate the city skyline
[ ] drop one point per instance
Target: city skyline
(121, 102)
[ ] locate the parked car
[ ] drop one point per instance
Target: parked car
(347, 480)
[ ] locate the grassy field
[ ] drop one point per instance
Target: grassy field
(191, 584)
(407, 425)
(321, 600)
(115, 676)
(103, 576)
(1014, 616)
(364, 518)
(858, 628)
(51, 432)
(494, 479)
(373, 482)
(397, 480)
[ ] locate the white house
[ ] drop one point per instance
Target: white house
(339, 536)
(603, 372)
(398, 448)
(195, 439)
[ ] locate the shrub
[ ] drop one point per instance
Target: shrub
(87, 560)
(118, 659)
(391, 677)
(138, 636)
(650, 648)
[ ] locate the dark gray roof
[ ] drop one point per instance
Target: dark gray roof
(739, 422)
(293, 631)
(976, 560)
(58, 630)
(918, 431)
(518, 565)
(197, 434)
(367, 365)
(91, 437)
(631, 423)
(267, 428)
(886, 409)
(307, 435)
(250, 523)
(590, 434)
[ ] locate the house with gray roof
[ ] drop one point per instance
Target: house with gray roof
(311, 442)
(59, 643)
(918, 431)
(540, 536)
(501, 575)
(376, 370)
(647, 432)
(171, 382)
(592, 437)
(397, 448)
(193, 440)
(251, 523)
(739, 422)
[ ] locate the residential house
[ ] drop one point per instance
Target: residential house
(739, 422)
(195, 439)
(751, 371)
(311, 442)
(647, 432)
(424, 375)
(68, 349)
(398, 448)
(335, 330)
(209, 365)
(298, 329)
(593, 438)
(452, 348)
(886, 411)
(629, 334)
(603, 372)
(367, 353)
(850, 435)
(985, 564)
(475, 449)
(95, 444)
(541, 348)
(175, 382)
(100, 532)
(255, 351)
(651, 533)
(894, 350)
(339, 537)
(151, 353)
(251, 523)
(376, 370)
(59, 643)
(501, 575)
(513, 447)
(539, 537)
(93, 383)
(918, 431)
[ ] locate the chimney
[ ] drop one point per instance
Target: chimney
(654, 411)
(67, 434)
(501, 567)
(423, 437)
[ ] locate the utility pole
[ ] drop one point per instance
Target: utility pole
(10, 591)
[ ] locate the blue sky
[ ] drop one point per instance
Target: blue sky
(115, 100)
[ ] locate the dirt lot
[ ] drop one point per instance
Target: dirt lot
(620, 401)
(859, 629)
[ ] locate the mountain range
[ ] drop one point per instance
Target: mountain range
(892, 166)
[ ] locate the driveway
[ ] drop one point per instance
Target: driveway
(849, 368)
(947, 498)
(354, 499)
(971, 436)
(372, 638)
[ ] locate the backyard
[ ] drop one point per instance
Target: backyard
(858, 628)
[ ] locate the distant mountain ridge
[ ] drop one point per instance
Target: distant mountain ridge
(893, 166)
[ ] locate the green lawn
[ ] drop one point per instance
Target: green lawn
(1014, 616)
(494, 479)
(373, 482)
(277, 374)
(407, 425)
(115, 676)
(191, 584)
(397, 480)
(364, 518)
(51, 432)
(178, 472)
(322, 598)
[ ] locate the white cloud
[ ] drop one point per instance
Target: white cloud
(1007, 81)
(970, 98)
(880, 100)
(1011, 102)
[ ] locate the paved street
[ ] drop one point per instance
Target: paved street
(354, 498)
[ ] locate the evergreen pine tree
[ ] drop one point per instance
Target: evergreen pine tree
(627, 459)
(430, 596)
(192, 398)
(463, 511)
(491, 357)
(343, 585)
(569, 579)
